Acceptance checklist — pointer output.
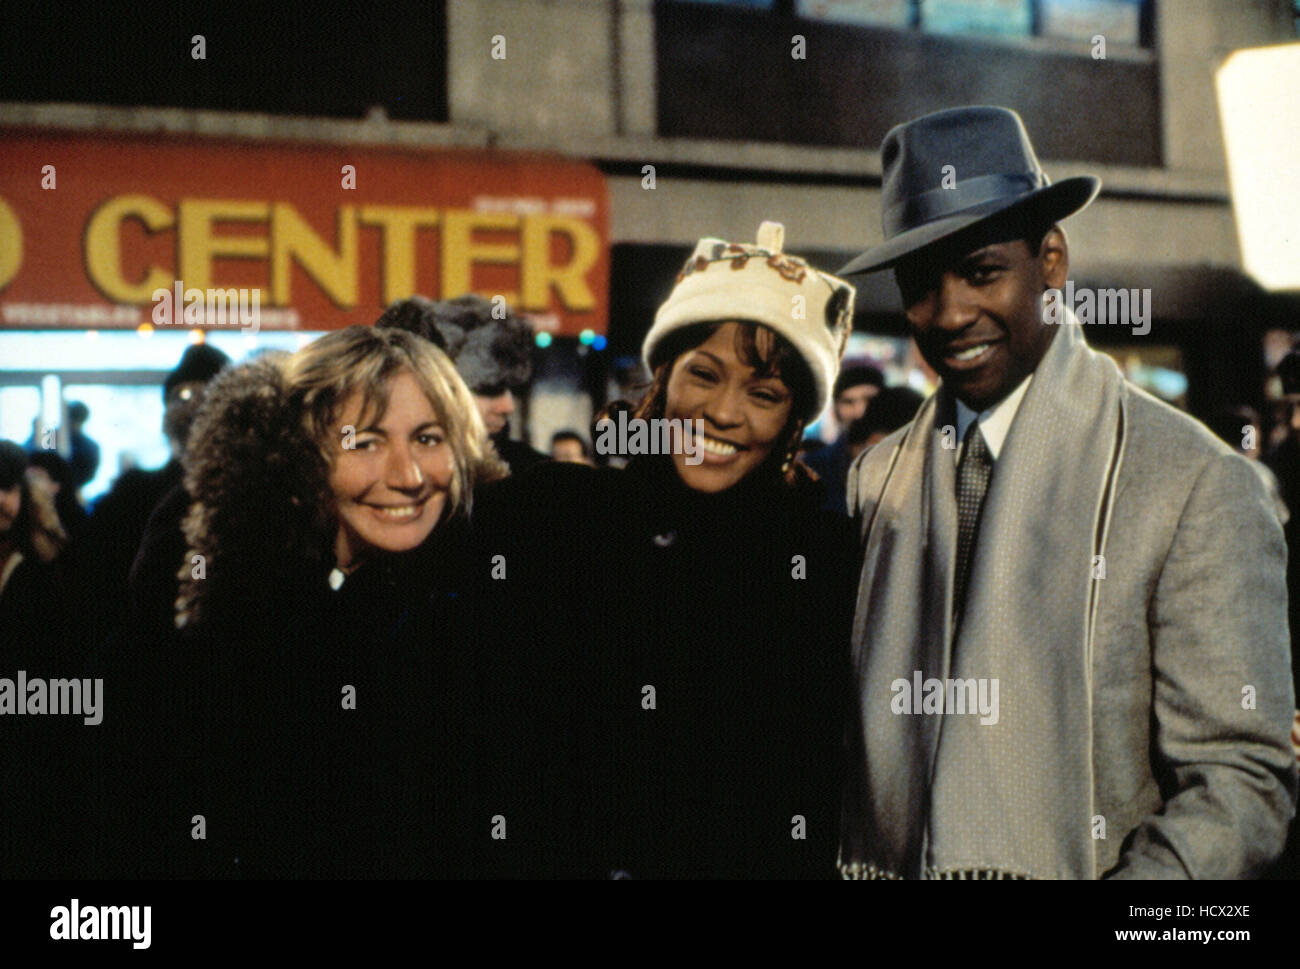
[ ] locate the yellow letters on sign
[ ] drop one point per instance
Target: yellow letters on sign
(284, 239)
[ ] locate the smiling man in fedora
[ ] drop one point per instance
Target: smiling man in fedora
(1070, 648)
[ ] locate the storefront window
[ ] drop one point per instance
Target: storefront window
(126, 422)
(1007, 18)
(18, 409)
(1119, 21)
(118, 376)
(870, 13)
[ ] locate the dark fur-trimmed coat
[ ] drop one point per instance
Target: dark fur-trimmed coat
(259, 516)
(319, 733)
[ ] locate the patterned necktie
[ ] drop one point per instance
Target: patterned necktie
(973, 474)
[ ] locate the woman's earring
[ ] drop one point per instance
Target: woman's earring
(793, 453)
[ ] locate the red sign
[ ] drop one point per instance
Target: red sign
(95, 229)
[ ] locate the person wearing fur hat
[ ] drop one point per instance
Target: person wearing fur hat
(321, 616)
(492, 349)
(672, 633)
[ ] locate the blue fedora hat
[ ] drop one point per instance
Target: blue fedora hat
(993, 172)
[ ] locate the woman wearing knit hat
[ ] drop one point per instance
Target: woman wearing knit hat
(321, 601)
(677, 630)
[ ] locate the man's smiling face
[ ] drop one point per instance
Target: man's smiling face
(975, 310)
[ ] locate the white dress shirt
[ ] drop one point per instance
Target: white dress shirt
(994, 422)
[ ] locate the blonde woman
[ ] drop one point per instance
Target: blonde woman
(321, 618)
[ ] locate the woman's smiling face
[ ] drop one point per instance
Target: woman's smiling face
(743, 413)
(391, 486)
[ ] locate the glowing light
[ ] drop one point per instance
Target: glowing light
(51, 402)
(1259, 102)
(599, 343)
(145, 330)
(543, 339)
(586, 337)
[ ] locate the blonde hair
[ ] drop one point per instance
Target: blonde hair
(363, 360)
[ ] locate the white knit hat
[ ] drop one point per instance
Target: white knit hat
(725, 281)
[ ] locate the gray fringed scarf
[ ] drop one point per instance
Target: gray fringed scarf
(944, 795)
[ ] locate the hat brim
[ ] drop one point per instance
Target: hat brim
(1054, 201)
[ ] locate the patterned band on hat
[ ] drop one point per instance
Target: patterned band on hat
(738, 255)
(939, 202)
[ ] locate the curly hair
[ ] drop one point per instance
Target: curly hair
(260, 499)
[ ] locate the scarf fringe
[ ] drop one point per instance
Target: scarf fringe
(857, 871)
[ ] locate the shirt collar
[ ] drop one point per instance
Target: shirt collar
(995, 422)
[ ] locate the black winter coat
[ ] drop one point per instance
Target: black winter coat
(317, 732)
(669, 674)
(336, 736)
